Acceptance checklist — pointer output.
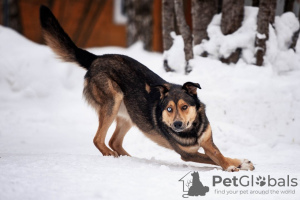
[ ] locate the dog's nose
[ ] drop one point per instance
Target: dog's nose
(178, 124)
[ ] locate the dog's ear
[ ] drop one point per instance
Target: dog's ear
(191, 88)
(163, 89)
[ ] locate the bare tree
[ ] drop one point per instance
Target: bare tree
(168, 26)
(12, 17)
(202, 14)
(140, 20)
(219, 6)
(294, 40)
(272, 8)
(264, 18)
(288, 5)
(255, 3)
(232, 17)
(185, 32)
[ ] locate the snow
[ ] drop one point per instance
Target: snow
(176, 58)
(278, 55)
(46, 148)
(220, 45)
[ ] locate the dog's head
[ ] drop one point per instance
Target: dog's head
(179, 105)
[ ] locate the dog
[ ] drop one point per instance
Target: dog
(122, 89)
(197, 187)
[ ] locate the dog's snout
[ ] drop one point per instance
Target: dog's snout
(178, 124)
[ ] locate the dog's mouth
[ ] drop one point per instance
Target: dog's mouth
(183, 128)
(178, 130)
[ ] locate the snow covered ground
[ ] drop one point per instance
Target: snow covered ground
(46, 130)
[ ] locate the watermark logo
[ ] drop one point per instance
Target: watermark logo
(261, 181)
(192, 185)
(238, 184)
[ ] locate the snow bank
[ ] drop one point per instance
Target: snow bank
(278, 54)
(175, 57)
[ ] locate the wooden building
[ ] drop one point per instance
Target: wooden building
(90, 23)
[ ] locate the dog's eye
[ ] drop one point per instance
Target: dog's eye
(169, 109)
(184, 107)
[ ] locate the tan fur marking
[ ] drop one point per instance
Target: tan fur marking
(187, 141)
(233, 161)
(214, 153)
(189, 149)
(95, 93)
(116, 140)
(58, 48)
(187, 116)
(206, 135)
(106, 120)
(168, 117)
(123, 113)
(147, 88)
(158, 139)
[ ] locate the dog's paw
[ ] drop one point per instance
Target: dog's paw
(107, 152)
(111, 153)
(246, 165)
(232, 169)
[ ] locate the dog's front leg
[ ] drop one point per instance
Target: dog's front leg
(228, 164)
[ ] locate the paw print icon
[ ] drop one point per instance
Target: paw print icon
(261, 181)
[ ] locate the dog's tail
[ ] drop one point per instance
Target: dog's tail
(61, 43)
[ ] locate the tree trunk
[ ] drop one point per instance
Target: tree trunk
(185, 31)
(273, 4)
(232, 17)
(140, 21)
(219, 6)
(12, 17)
(264, 17)
(288, 5)
(294, 40)
(255, 3)
(168, 26)
(202, 14)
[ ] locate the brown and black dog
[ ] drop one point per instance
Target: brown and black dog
(122, 89)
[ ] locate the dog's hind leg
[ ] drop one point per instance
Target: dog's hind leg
(109, 101)
(116, 140)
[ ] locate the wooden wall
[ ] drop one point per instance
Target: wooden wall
(88, 22)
